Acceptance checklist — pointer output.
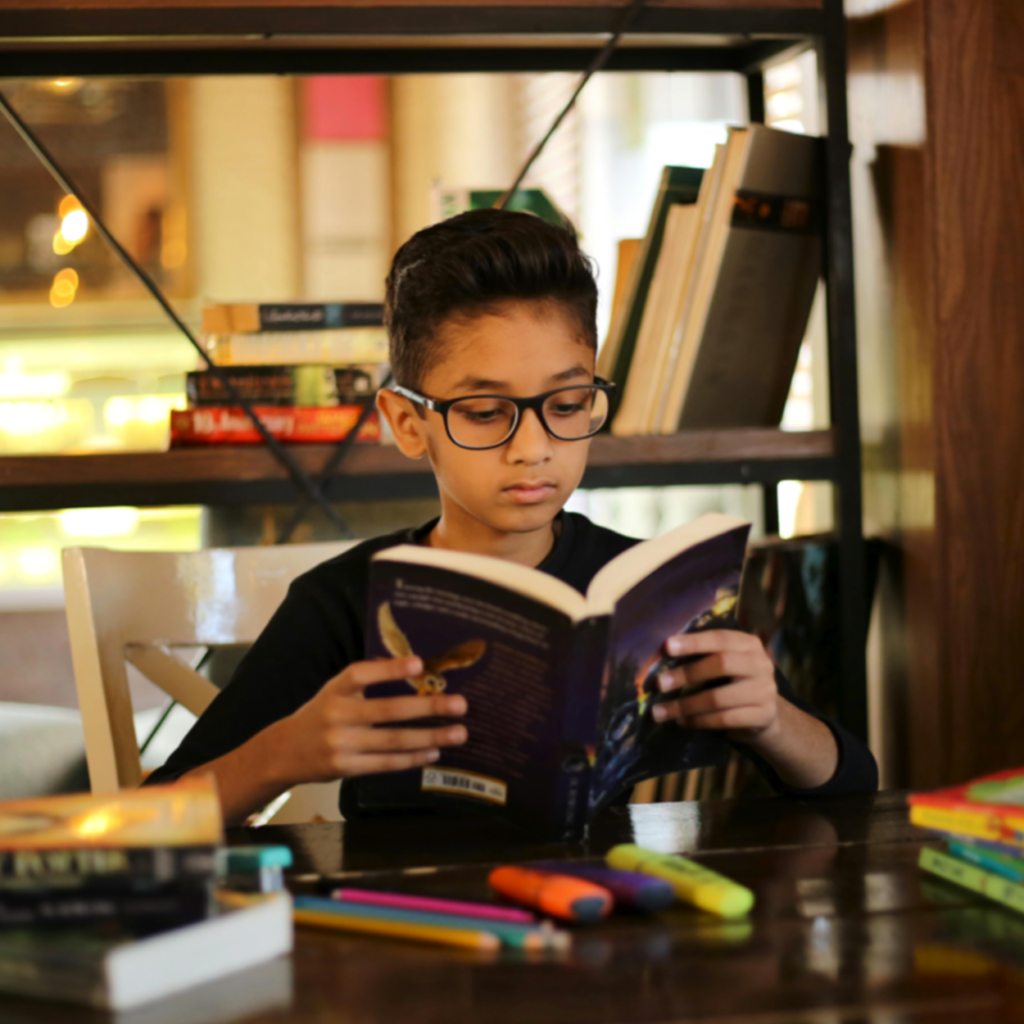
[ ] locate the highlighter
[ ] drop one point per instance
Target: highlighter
(570, 898)
(692, 882)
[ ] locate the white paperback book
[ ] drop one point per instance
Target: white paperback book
(121, 974)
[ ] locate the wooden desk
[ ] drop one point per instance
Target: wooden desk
(845, 929)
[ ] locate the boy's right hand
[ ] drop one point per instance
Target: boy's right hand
(332, 736)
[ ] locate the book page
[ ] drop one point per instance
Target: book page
(697, 590)
(626, 570)
(521, 579)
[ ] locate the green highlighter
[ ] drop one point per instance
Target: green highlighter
(691, 882)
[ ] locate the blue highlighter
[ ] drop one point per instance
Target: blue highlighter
(629, 888)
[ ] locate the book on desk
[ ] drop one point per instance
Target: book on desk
(110, 900)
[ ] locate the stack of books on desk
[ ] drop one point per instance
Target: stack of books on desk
(110, 900)
(309, 370)
(714, 306)
(983, 823)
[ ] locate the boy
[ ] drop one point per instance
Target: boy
(500, 305)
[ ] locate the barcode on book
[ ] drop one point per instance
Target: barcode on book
(467, 783)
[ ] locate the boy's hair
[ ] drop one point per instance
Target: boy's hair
(471, 265)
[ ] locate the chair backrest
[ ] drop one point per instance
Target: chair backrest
(134, 606)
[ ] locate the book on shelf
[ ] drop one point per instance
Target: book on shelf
(713, 339)
(627, 251)
(254, 317)
(677, 185)
(560, 687)
(347, 346)
(228, 425)
(448, 202)
(305, 385)
(112, 968)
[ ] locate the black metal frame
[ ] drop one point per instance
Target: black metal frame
(136, 42)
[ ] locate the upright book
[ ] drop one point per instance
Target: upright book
(560, 686)
(752, 289)
(677, 185)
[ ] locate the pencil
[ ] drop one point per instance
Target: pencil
(398, 930)
(515, 936)
(460, 908)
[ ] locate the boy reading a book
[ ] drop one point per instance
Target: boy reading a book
(492, 324)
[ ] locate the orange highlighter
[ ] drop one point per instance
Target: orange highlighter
(572, 899)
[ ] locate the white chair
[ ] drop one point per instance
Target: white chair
(135, 606)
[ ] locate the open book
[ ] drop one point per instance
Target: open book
(560, 687)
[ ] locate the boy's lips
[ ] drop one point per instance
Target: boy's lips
(528, 492)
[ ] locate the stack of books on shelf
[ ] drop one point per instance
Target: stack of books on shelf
(111, 900)
(983, 824)
(713, 304)
(308, 369)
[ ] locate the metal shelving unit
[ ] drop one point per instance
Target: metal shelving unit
(60, 38)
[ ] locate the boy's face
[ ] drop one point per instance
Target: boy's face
(525, 350)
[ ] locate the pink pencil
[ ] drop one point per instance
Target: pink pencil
(436, 906)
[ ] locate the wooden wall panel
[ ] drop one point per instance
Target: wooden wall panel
(977, 120)
(948, 275)
(891, 242)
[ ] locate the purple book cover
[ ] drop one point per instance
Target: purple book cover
(559, 717)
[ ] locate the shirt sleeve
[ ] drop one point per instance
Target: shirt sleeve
(301, 648)
(856, 770)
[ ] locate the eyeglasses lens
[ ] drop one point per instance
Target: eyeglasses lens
(576, 413)
(481, 422)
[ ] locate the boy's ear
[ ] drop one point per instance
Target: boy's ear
(406, 424)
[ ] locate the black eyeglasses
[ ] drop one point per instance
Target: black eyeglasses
(479, 422)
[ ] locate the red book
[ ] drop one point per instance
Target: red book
(224, 424)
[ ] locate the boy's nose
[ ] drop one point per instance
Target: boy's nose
(531, 443)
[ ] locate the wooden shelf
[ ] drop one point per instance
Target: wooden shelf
(250, 474)
(171, 37)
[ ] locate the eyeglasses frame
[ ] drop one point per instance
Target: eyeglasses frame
(536, 403)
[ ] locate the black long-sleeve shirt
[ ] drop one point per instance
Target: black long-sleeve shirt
(319, 628)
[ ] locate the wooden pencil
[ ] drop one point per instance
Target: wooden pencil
(464, 937)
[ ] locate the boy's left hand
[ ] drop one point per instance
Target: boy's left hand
(747, 707)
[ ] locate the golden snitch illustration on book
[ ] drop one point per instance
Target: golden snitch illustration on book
(431, 679)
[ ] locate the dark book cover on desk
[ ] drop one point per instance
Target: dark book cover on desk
(560, 686)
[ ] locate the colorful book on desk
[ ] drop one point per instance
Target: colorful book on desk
(969, 876)
(990, 808)
(560, 687)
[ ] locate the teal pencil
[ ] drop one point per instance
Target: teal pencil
(515, 936)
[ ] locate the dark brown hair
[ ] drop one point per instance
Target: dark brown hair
(470, 265)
